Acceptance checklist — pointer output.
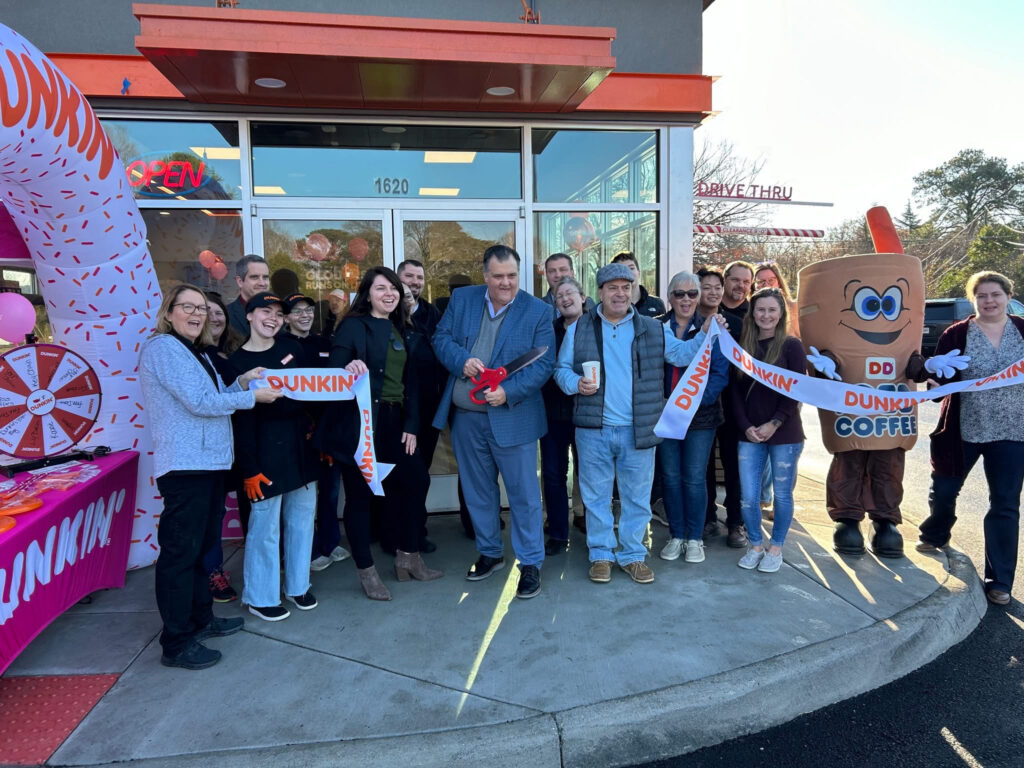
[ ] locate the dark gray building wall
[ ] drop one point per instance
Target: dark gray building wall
(653, 35)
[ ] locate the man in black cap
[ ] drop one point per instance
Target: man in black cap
(298, 320)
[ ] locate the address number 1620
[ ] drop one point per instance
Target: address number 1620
(391, 186)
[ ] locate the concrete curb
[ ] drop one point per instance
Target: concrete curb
(668, 722)
(688, 717)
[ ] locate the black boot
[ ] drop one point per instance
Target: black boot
(887, 541)
(847, 538)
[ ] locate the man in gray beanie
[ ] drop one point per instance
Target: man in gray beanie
(615, 416)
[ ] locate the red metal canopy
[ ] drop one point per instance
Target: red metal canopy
(216, 55)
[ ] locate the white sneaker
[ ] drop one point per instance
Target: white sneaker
(320, 563)
(338, 554)
(671, 550)
(751, 559)
(770, 563)
(694, 551)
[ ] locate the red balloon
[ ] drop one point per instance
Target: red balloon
(318, 247)
(219, 270)
(207, 258)
(359, 248)
(579, 233)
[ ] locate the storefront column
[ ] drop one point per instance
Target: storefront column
(678, 243)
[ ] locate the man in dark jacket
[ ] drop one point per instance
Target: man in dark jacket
(252, 275)
(643, 302)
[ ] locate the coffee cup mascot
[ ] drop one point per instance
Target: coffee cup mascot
(862, 318)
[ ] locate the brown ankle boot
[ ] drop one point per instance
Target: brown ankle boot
(372, 585)
(411, 564)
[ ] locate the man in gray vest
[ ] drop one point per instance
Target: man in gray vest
(615, 416)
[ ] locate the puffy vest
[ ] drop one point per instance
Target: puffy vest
(648, 355)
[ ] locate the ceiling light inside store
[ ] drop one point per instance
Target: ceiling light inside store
(329, 128)
(440, 191)
(449, 157)
(393, 129)
(501, 90)
(269, 190)
(165, 213)
(217, 153)
(269, 82)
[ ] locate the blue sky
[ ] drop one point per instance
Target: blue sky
(846, 100)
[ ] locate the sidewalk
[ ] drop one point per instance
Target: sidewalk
(459, 673)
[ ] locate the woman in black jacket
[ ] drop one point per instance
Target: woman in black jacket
(375, 336)
(275, 460)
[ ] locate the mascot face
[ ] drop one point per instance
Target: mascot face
(878, 315)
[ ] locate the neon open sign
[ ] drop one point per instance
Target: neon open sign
(161, 177)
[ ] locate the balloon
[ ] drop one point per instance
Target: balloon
(579, 233)
(318, 247)
(17, 317)
(97, 278)
(207, 258)
(219, 270)
(358, 247)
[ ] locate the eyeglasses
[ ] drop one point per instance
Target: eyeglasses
(190, 309)
(771, 282)
(693, 293)
(303, 311)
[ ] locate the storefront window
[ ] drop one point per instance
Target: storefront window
(385, 161)
(593, 240)
(195, 246)
(179, 159)
(452, 251)
(581, 166)
(316, 256)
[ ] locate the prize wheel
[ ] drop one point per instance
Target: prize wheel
(49, 400)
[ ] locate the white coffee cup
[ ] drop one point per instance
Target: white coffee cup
(592, 371)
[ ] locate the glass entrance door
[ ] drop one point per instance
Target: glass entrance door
(316, 251)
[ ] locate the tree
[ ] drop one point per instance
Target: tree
(996, 247)
(970, 187)
(908, 219)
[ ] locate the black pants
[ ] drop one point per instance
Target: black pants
(189, 526)
(405, 492)
(728, 439)
(426, 444)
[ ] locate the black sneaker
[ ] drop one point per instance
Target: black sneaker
(192, 656)
(219, 627)
(555, 546)
(484, 567)
(270, 613)
(529, 582)
(220, 588)
(306, 602)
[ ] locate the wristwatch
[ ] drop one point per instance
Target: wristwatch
(776, 423)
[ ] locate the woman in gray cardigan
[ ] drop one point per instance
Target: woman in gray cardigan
(190, 409)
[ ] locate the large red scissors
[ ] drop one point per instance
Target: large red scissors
(492, 377)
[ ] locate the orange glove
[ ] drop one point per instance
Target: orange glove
(327, 459)
(252, 486)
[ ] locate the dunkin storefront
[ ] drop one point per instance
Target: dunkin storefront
(331, 143)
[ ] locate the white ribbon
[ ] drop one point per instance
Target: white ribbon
(854, 399)
(320, 384)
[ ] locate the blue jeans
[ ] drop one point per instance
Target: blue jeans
(554, 461)
(766, 483)
(752, 458)
(1004, 472)
(480, 460)
(683, 465)
(296, 510)
(607, 455)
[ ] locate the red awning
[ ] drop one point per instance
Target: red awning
(216, 55)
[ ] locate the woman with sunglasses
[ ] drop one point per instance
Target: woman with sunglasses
(375, 336)
(683, 463)
(278, 470)
(190, 410)
(769, 427)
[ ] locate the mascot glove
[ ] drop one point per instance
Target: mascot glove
(252, 486)
(823, 364)
(944, 365)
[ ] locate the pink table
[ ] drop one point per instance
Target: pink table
(73, 545)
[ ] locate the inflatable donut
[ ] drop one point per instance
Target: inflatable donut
(64, 187)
